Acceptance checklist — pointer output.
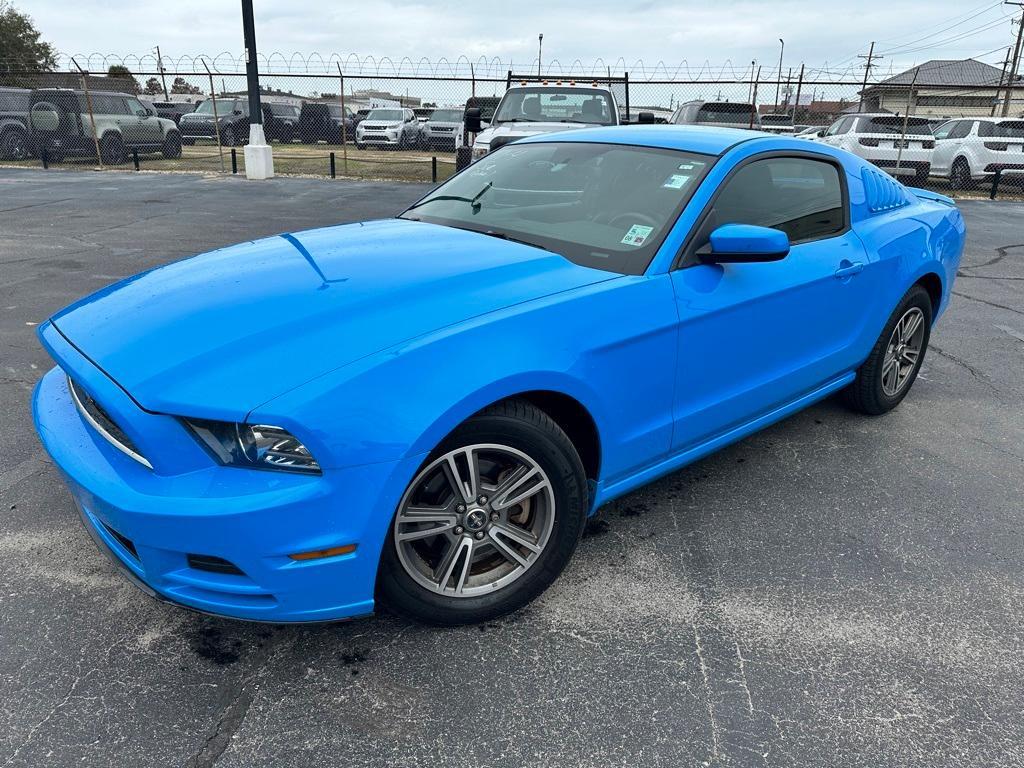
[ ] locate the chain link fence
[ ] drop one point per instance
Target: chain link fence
(935, 128)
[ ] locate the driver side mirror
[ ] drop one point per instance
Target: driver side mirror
(645, 118)
(472, 120)
(745, 243)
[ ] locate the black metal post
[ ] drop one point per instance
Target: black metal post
(252, 73)
(433, 169)
(44, 155)
(234, 161)
(626, 78)
(135, 158)
(332, 164)
(995, 184)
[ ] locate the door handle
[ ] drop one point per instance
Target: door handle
(849, 269)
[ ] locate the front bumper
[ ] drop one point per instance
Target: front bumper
(378, 138)
(151, 521)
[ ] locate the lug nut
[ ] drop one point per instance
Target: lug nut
(482, 499)
(494, 517)
(479, 534)
(458, 530)
(460, 507)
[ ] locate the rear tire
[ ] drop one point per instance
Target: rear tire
(921, 177)
(887, 375)
(495, 583)
(960, 175)
(112, 149)
(14, 145)
(172, 145)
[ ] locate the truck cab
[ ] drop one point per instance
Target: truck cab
(545, 107)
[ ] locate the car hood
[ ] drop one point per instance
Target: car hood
(216, 335)
(522, 130)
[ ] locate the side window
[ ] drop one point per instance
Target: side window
(962, 129)
(802, 197)
(135, 107)
(834, 128)
(986, 129)
(943, 131)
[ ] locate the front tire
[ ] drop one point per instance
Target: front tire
(172, 145)
(887, 375)
(488, 523)
(14, 145)
(227, 137)
(113, 150)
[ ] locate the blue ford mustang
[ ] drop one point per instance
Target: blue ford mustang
(423, 410)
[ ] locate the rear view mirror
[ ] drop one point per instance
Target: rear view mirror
(745, 243)
(473, 120)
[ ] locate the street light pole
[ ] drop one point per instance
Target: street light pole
(540, 50)
(259, 158)
(778, 81)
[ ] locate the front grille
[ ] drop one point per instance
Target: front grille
(100, 420)
(213, 564)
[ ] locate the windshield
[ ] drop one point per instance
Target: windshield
(446, 116)
(392, 115)
(894, 124)
(606, 206)
(223, 107)
(551, 105)
(282, 109)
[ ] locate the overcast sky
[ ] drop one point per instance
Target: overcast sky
(907, 31)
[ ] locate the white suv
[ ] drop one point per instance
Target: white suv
(389, 127)
(878, 139)
(973, 148)
(528, 110)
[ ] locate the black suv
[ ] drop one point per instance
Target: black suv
(323, 121)
(15, 134)
(280, 121)
(233, 120)
(173, 110)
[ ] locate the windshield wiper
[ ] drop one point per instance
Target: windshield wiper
(474, 201)
(511, 239)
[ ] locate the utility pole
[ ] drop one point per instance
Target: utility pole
(160, 69)
(1002, 79)
(778, 80)
(1012, 77)
(259, 158)
(867, 70)
(540, 50)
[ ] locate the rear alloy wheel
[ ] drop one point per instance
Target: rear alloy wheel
(960, 175)
(488, 523)
(13, 145)
(112, 149)
(886, 376)
(172, 145)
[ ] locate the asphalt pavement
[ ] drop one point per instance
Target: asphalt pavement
(834, 591)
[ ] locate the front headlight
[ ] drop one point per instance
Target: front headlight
(479, 150)
(256, 446)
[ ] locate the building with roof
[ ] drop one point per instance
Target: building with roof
(946, 88)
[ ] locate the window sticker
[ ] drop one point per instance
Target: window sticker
(686, 166)
(676, 181)
(637, 235)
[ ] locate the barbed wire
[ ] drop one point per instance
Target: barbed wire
(483, 67)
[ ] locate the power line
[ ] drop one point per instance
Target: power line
(964, 18)
(960, 36)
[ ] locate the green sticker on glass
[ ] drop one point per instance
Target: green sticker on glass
(637, 235)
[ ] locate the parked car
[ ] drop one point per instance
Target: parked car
(444, 128)
(879, 139)
(388, 127)
(777, 123)
(531, 110)
(323, 121)
(969, 150)
(810, 132)
(173, 110)
(232, 122)
(15, 131)
(295, 428)
(280, 121)
(725, 114)
(62, 125)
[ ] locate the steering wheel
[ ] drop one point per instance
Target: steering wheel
(632, 217)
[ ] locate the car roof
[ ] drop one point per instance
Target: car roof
(706, 140)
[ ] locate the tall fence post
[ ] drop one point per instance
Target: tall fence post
(344, 123)
(753, 97)
(906, 120)
(799, 86)
(216, 123)
(626, 76)
(92, 118)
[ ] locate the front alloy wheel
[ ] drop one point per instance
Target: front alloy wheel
(489, 521)
(475, 520)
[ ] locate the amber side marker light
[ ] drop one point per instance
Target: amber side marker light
(316, 554)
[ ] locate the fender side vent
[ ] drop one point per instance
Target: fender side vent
(213, 564)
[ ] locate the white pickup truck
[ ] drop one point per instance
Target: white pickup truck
(545, 107)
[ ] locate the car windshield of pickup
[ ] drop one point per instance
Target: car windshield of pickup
(446, 116)
(607, 206)
(554, 105)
